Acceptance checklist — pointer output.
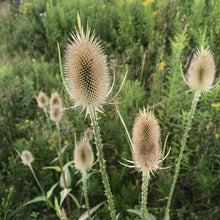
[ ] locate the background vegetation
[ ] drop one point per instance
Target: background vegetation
(153, 38)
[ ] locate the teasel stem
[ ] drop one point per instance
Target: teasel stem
(183, 146)
(60, 156)
(86, 194)
(39, 185)
(145, 178)
(100, 155)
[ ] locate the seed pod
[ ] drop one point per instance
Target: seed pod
(201, 72)
(88, 134)
(83, 157)
(55, 100)
(42, 100)
(146, 141)
(55, 113)
(86, 72)
(26, 157)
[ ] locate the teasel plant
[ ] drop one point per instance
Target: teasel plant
(86, 79)
(27, 160)
(83, 158)
(146, 150)
(201, 75)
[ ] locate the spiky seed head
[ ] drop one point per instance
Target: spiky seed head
(55, 113)
(146, 141)
(86, 71)
(26, 157)
(55, 100)
(83, 157)
(42, 100)
(88, 134)
(201, 72)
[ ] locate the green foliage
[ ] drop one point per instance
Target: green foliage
(156, 39)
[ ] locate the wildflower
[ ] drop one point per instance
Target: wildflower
(161, 65)
(26, 121)
(103, 6)
(86, 71)
(90, 6)
(145, 3)
(31, 138)
(202, 70)
(155, 13)
(26, 157)
(146, 141)
(54, 133)
(52, 146)
(83, 157)
(31, 122)
(215, 105)
(55, 113)
(88, 134)
(42, 100)
(217, 136)
(66, 142)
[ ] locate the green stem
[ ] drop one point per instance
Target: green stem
(38, 183)
(145, 179)
(100, 155)
(86, 194)
(183, 146)
(60, 156)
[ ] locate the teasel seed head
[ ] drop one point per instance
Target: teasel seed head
(55, 100)
(88, 134)
(201, 72)
(26, 157)
(83, 157)
(42, 100)
(86, 71)
(55, 113)
(146, 141)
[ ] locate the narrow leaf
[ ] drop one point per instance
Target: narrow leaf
(63, 195)
(49, 193)
(37, 199)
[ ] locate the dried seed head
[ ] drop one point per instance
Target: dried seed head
(86, 72)
(201, 72)
(88, 134)
(26, 157)
(55, 113)
(83, 157)
(55, 100)
(42, 100)
(146, 141)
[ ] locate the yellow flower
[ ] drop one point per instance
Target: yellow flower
(100, 117)
(145, 3)
(26, 121)
(31, 138)
(50, 140)
(66, 142)
(54, 133)
(213, 105)
(103, 6)
(90, 6)
(104, 115)
(31, 122)
(217, 136)
(51, 146)
(155, 13)
(161, 65)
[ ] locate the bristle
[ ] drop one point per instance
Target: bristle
(146, 141)
(86, 71)
(201, 72)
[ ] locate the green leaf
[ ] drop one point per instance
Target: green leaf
(85, 214)
(67, 165)
(57, 168)
(67, 178)
(57, 206)
(63, 195)
(37, 199)
(49, 193)
(74, 199)
(138, 212)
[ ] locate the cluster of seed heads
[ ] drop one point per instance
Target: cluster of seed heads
(55, 107)
(146, 141)
(86, 72)
(202, 71)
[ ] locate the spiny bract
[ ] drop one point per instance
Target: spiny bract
(201, 72)
(86, 72)
(146, 141)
